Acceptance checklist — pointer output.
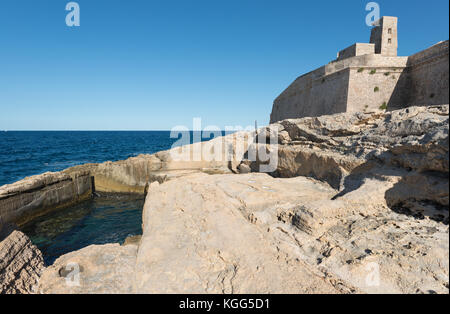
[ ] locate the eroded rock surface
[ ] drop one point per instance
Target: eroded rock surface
(218, 156)
(346, 149)
(257, 234)
(198, 238)
(21, 263)
(291, 228)
(360, 205)
(33, 196)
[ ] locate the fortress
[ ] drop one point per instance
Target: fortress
(369, 76)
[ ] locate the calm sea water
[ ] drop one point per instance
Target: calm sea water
(105, 219)
(24, 154)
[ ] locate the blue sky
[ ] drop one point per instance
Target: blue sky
(152, 65)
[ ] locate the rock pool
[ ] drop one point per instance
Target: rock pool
(106, 218)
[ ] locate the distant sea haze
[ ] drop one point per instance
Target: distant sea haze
(27, 153)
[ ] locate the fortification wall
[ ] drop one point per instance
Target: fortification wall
(337, 87)
(429, 76)
(372, 88)
(366, 82)
(314, 94)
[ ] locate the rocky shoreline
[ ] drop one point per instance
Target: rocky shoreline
(358, 204)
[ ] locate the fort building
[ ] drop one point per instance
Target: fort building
(367, 76)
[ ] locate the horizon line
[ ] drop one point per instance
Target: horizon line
(6, 131)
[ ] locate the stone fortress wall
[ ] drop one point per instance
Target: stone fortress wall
(429, 76)
(369, 76)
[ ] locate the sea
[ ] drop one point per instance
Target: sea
(27, 153)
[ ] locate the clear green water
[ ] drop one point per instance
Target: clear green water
(109, 218)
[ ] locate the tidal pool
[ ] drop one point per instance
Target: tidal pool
(107, 218)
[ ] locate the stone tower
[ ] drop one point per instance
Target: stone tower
(384, 36)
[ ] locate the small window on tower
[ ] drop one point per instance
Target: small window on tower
(390, 31)
(389, 41)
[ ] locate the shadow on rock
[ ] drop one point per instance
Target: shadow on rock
(421, 195)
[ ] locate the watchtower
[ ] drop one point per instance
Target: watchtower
(384, 36)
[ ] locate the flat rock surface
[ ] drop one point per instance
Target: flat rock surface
(200, 237)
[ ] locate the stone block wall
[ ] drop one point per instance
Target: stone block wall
(373, 88)
(366, 82)
(429, 76)
(340, 86)
(313, 95)
(358, 49)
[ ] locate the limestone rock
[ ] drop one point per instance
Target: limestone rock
(256, 234)
(201, 237)
(245, 167)
(357, 204)
(94, 269)
(21, 263)
(343, 149)
(33, 196)
(198, 239)
(218, 156)
(289, 227)
(133, 240)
